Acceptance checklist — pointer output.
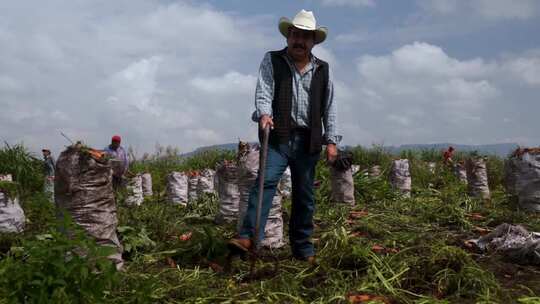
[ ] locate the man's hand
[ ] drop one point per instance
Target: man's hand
(331, 153)
(266, 120)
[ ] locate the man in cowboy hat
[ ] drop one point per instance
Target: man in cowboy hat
(295, 98)
(48, 170)
(120, 161)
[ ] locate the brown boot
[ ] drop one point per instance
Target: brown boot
(239, 246)
(311, 260)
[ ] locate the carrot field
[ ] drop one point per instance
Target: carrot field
(385, 249)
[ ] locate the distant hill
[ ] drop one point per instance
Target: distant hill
(226, 147)
(501, 150)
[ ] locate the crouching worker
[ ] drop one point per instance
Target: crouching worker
(448, 155)
(294, 97)
(120, 161)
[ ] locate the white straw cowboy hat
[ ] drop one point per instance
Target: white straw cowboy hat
(304, 20)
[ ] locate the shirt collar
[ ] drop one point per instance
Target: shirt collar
(312, 65)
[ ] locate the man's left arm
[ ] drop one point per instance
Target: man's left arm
(331, 137)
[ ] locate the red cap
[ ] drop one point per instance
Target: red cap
(116, 138)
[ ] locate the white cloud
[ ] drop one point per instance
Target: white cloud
(425, 60)
(207, 136)
(427, 75)
(134, 86)
(418, 93)
(8, 84)
(440, 6)
(352, 3)
(488, 9)
(231, 82)
(352, 37)
(183, 74)
(504, 9)
(463, 95)
(526, 69)
(399, 119)
(172, 73)
(199, 27)
(326, 55)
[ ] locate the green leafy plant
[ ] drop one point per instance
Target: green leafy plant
(135, 240)
(55, 268)
(10, 189)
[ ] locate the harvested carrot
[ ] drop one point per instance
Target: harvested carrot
(366, 298)
(186, 236)
(96, 154)
(377, 248)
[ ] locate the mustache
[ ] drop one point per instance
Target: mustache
(299, 46)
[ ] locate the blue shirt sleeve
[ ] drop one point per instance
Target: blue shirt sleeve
(264, 92)
(330, 115)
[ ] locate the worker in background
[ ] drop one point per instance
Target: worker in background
(448, 155)
(120, 161)
(48, 171)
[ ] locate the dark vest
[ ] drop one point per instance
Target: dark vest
(282, 102)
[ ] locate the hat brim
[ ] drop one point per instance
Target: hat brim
(285, 23)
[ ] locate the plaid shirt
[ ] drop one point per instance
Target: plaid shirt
(264, 94)
(48, 166)
(121, 155)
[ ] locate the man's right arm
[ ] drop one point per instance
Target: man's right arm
(264, 93)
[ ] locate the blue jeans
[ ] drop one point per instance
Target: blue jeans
(302, 164)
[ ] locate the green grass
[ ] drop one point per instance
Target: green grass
(26, 168)
(422, 258)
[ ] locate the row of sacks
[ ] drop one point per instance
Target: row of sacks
(400, 176)
(183, 187)
(138, 187)
(522, 177)
(473, 172)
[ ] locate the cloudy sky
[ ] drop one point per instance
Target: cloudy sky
(183, 73)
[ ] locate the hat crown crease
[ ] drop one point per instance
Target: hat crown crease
(304, 20)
